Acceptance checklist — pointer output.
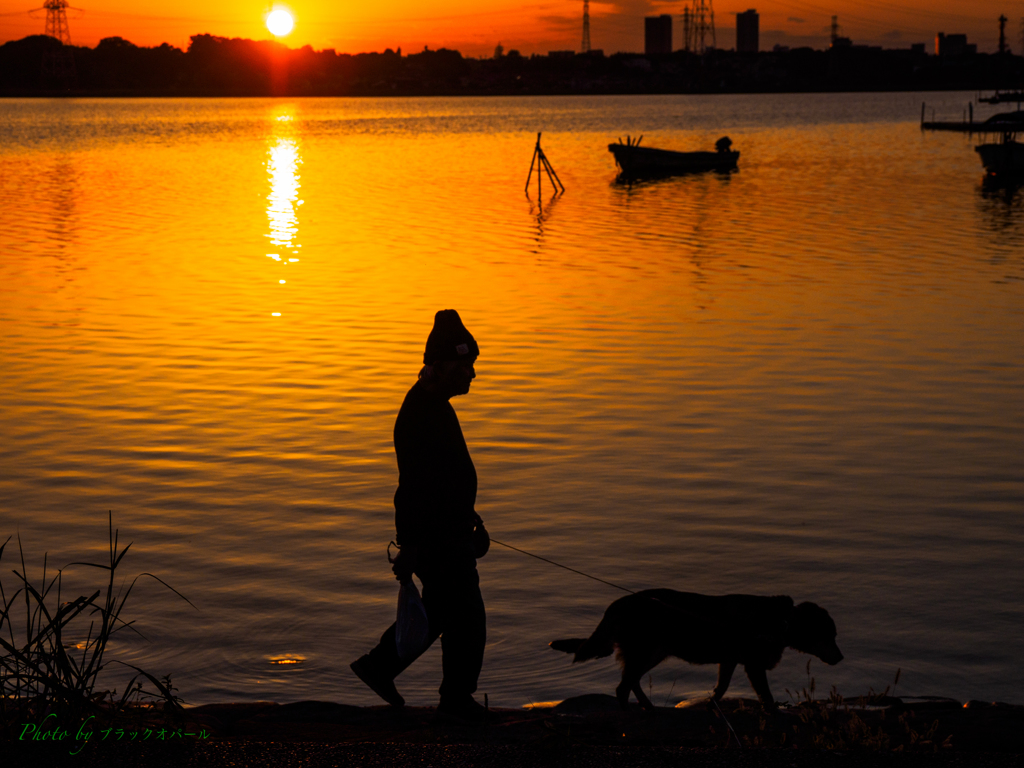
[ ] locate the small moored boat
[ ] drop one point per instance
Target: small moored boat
(1004, 121)
(637, 161)
(1003, 158)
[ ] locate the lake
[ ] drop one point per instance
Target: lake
(801, 378)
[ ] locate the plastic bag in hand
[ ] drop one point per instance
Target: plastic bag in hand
(411, 628)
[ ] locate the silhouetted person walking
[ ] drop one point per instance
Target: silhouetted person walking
(438, 530)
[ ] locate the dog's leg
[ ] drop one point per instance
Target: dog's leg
(632, 673)
(645, 703)
(725, 670)
(759, 679)
(622, 691)
(631, 683)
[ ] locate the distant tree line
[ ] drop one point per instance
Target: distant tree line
(218, 66)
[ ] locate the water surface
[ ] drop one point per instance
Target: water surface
(802, 378)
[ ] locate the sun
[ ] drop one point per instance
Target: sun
(280, 22)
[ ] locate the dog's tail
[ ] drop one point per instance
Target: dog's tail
(597, 646)
(568, 646)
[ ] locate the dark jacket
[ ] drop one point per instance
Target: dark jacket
(434, 503)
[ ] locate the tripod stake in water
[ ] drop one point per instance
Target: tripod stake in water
(541, 161)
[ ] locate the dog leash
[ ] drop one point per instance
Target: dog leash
(566, 567)
(581, 573)
(546, 560)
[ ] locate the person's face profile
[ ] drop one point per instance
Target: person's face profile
(456, 376)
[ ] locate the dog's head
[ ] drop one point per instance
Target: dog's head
(812, 630)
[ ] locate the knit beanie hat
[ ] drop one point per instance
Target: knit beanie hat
(449, 339)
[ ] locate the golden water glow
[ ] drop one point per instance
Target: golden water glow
(784, 355)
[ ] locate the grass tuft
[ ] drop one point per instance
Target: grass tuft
(42, 673)
(866, 723)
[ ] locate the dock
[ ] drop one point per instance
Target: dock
(1013, 121)
(961, 127)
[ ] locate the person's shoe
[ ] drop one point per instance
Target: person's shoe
(376, 682)
(465, 708)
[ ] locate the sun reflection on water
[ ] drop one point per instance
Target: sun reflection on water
(283, 199)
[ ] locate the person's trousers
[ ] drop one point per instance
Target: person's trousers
(455, 613)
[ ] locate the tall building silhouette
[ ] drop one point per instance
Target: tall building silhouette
(953, 45)
(658, 34)
(747, 31)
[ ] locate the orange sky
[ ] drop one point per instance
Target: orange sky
(533, 26)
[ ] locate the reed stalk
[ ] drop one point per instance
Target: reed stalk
(42, 673)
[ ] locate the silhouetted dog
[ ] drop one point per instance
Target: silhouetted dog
(649, 626)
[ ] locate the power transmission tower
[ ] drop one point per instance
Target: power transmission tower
(702, 26)
(586, 27)
(1002, 34)
(687, 30)
(58, 63)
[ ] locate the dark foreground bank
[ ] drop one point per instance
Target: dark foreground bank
(585, 731)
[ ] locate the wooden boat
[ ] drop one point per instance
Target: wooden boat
(636, 161)
(1004, 121)
(1003, 158)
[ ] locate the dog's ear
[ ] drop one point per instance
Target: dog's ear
(809, 618)
(775, 621)
(812, 613)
